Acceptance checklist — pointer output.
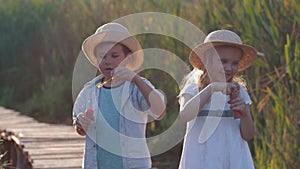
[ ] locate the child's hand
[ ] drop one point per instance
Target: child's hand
(233, 89)
(122, 74)
(85, 119)
(225, 88)
(89, 114)
(234, 95)
(237, 105)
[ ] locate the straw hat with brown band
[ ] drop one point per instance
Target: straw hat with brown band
(223, 38)
(115, 33)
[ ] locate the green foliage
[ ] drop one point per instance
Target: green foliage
(41, 39)
(52, 102)
(279, 115)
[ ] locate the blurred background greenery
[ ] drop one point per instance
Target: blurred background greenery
(41, 39)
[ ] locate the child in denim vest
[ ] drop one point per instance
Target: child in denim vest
(112, 109)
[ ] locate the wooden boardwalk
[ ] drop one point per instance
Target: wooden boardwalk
(49, 146)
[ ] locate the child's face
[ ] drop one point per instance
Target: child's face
(227, 67)
(110, 56)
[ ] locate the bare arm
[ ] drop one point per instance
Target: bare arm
(247, 126)
(155, 102)
(153, 98)
(190, 105)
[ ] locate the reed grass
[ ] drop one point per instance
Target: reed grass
(40, 41)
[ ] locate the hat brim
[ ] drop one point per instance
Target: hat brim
(89, 45)
(196, 56)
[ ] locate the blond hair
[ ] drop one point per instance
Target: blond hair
(200, 77)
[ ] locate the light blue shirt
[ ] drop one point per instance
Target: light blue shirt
(109, 103)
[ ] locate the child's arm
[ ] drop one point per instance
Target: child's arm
(154, 100)
(190, 105)
(247, 126)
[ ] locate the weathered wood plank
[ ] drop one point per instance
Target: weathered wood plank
(54, 163)
(77, 156)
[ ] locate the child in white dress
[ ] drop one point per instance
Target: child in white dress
(215, 105)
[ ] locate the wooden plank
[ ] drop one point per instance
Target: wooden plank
(53, 151)
(23, 125)
(53, 144)
(46, 128)
(54, 163)
(4, 111)
(40, 140)
(77, 156)
(13, 116)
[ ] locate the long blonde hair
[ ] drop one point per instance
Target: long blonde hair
(192, 77)
(201, 78)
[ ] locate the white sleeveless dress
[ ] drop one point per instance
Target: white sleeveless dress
(215, 142)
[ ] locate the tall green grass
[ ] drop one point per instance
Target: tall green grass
(41, 39)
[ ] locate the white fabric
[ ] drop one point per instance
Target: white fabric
(215, 142)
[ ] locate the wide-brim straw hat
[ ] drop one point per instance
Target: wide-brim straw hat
(113, 33)
(223, 38)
